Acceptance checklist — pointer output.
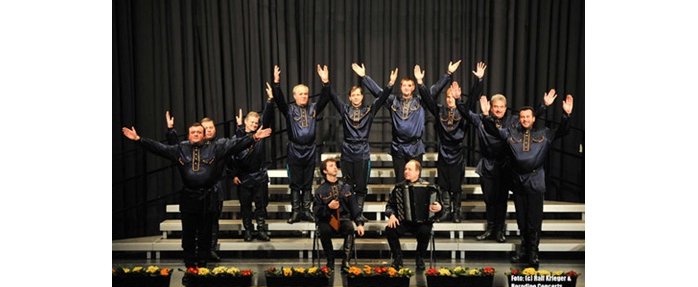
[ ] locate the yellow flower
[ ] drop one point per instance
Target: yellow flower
(444, 272)
(473, 272)
(354, 270)
(232, 270)
(367, 269)
(312, 270)
(543, 272)
(299, 270)
(558, 273)
(204, 271)
(458, 269)
(392, 272)
(152, 269)
(529, 271)
(126, 270)
(287, 271)
(218, 270)
(137, 269)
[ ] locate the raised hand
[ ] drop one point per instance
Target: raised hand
(262, 133)
(452, 67)
(567, 104)
(549, 97)
(270, 94)
(277, 74)
(170, 120)
(455, 90)
(238, 118)
(359, 70)
(323, 73)
(393, 77)
(484, 106)
(419, 74)
(480, 70)
(130, 133)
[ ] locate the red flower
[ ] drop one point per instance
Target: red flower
(488, 270)
(571, 273)
(324, 269)
(193, 270)
(515, 271)
(432, 272)
(246, 272)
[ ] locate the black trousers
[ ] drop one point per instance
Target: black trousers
(399, 166)
(346, 228)
(529, 193)
(450, 176)
(422, 232)
(495, 190)
(196, 237)
(257, 192)
(358, 173)
(301, 175)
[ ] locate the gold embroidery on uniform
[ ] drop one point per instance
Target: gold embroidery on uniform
(196, 159)
(304, 118)
(527, 140)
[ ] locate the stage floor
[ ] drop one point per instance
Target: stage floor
(500, 264)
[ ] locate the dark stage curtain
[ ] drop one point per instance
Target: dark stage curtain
(210, 58)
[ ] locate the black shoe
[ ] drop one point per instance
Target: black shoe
(533, 260)
(420, 264)
(486, 235)
(519, 256)
(307, 216)
(456, 217)
(500, 237)
(247, 236)
(262, 233)
(214, 257)
(295, 217)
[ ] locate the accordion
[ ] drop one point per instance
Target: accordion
(417, 199)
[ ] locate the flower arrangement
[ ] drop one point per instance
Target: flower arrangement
(460, 271)
(218, 276)
(299, 272)
(460, 276)
(378, 276)
(298, 276)
(542, 276)
(382, 270)
(140, 276)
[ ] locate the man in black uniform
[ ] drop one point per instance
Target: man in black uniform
(397, 223)
(493, 167)
(301, 118)
(357, 119)
(335, 207)
(209, 135)
(200, 163)
(451, 126)
(407, 116)
(249, 172)
(529, 149)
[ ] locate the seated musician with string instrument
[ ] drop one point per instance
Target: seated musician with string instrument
(335, 208)
(413, 207)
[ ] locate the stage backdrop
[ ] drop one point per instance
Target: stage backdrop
(210, 58)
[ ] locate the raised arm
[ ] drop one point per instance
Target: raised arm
(369, 83)
(268, 113)
(323, 101)
(166, 151)
(377, 103)
(426, 96)
(563, 129)
(171, 134)
(437, 87)
(278, 95)
(236, 144)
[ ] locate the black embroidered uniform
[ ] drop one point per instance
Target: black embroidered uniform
(201, 167)
(347, 212)
(395, 206)
(300, 122)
